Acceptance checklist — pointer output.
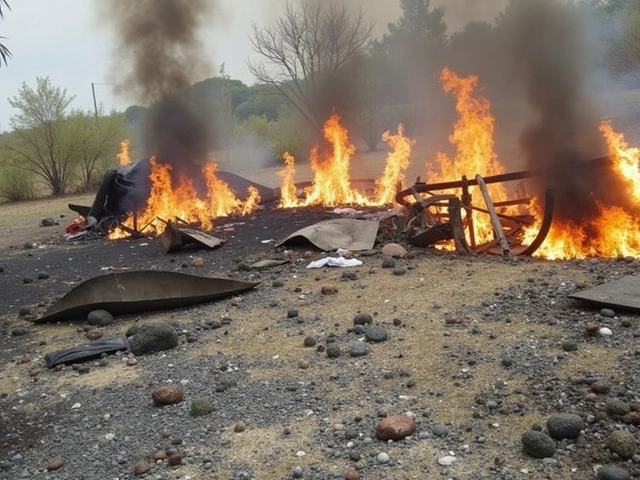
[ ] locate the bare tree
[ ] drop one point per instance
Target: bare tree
(307, 47)
(5, 54)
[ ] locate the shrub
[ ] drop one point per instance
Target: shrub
(16, 185)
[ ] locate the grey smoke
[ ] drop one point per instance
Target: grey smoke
(158, 53)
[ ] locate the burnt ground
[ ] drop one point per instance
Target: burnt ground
(479, 350)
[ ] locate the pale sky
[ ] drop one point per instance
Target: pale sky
(63, 40)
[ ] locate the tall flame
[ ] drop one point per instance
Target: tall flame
(123, 156)
(182, 202)
(613, 227)
(474, 144)
(331, 184)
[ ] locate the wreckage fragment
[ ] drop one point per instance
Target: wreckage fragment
(86, 352)
(174, 238)
(129, 292)
(330, 235)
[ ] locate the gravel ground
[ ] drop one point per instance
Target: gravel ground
(474, 351)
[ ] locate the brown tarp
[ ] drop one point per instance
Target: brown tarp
(330, 235)
(623, 293)
(129, 292)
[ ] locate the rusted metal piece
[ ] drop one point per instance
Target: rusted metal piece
(174, 238)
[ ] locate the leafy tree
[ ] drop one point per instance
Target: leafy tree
(260, 100)
(98, 143)
(416, 47)
(5, 54)
(305, 50)
(45, 146)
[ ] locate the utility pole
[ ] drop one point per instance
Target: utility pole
(95, 104)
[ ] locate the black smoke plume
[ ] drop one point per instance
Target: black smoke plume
(551, 55)
(158, 54)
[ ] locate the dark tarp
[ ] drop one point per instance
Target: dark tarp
(86, 352)
(138, 291)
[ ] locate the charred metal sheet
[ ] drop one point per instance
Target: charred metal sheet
(345, 233)
(129, 292)
(86, 352)
(623, 293)
(174, 238)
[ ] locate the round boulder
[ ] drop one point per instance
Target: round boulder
(538, 444)
(623, 443)
(375, 333)
(167, 395)
(394, 250)
(564, 425)
(201, 406)
(152, 338)
(99, 318)
(613, 473)
(395, 428)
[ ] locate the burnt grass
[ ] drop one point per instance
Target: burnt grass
(480, 350)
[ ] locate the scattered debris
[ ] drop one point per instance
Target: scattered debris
(86, 352)
(344, 233)
(138, 291)
(623, 293)
(174, 238)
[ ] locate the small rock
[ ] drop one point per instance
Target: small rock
(363, 319)
(333, 350)
(394, 250)
(55, 463)
(47, 222)
(358, 349)
(303, 364)
(447, 461)
(201, 406)
(399, 271)
(383, 458)
(160, 455)
(197, 262)
(99, 318)
(94, 334)
(605, 332)
(352, 474)
(329, 290)
(141, 468)
(239, 427)
(18, 332)
(617, 408)
(309, 341)
(395, 428)
(388, 262)
(152, 338)
(569, 346)
(623, 443)
(174, 459)
(607, 312)
(613, 473)
(600, 387)
(538, 444)
(167, 395)
(564, 425)
(376, 333)
(592, 328)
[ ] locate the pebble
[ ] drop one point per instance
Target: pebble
(55, 463)
(167, 395)
(447, 460)
(376, 333)
(333, 350)
(394, 250)
(623, 443)
(358, 349)
(383, 458)
(538, 444)
(605, 332)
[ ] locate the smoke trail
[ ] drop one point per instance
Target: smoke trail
(158, 53)
(551, 57)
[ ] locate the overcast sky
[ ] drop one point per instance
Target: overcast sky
(65, 41)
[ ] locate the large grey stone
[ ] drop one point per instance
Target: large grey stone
(564, 425)
(538, 444)
(623, 443)
(152, 338)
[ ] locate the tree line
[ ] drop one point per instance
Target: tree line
(316, 56)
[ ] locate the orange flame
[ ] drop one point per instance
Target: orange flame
(123, 157)
(473, 140)
(611, 230)
(331, 184)
(182, 202)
